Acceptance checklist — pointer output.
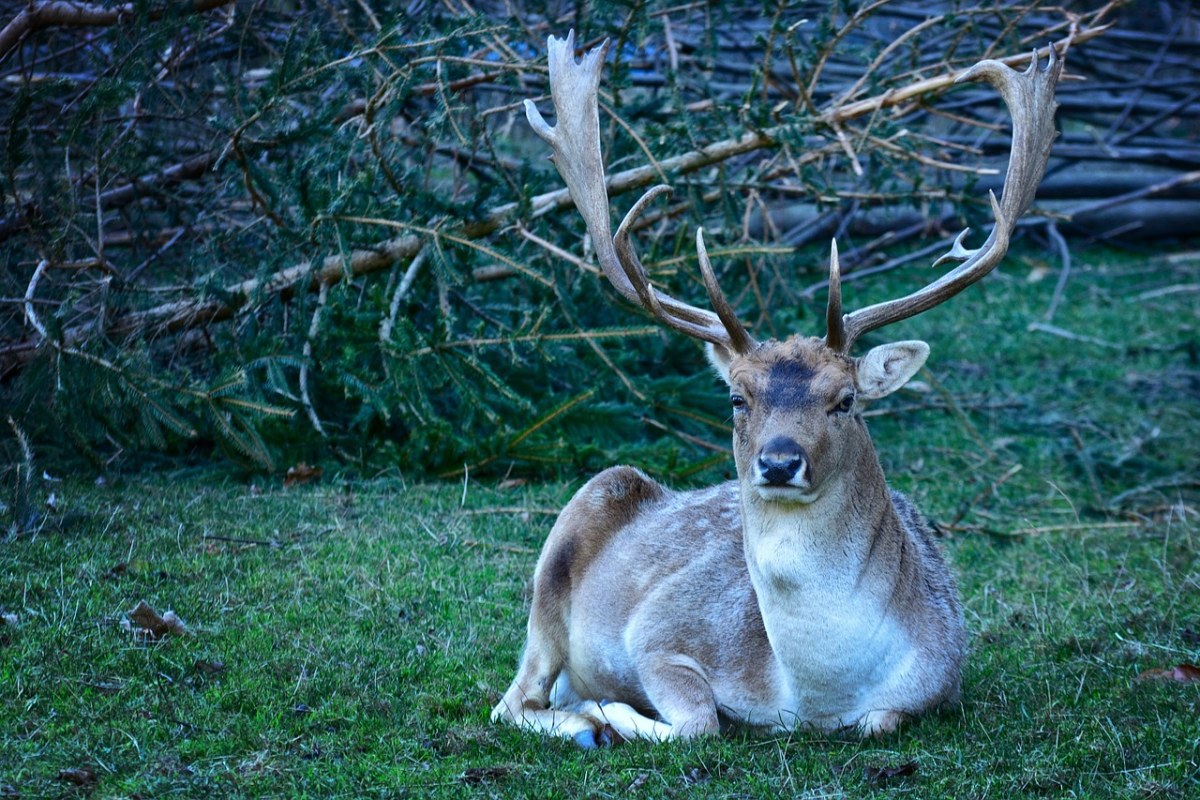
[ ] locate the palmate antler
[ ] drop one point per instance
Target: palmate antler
(575, 140)
(1030, 99)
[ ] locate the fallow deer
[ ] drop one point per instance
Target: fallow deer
(806, 592)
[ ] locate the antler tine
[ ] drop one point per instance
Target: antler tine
(575, 140)
(740, 338)
(679, 316)
(1030, 100)
(835, 327)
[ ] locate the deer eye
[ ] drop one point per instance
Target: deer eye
(738, 402)
(845, 405)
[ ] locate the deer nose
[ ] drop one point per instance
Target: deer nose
(780, 460)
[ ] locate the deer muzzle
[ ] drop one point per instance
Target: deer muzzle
(781, 463)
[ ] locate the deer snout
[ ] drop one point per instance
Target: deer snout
(782, 462)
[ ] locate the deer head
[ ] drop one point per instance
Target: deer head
(794, 402)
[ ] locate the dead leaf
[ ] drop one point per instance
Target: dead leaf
(136, 567)
(208, 668)
(1182, 673)
(106, 686)
(144, 621)
(8, 619)
(301, 473)
(8, 790)
(511, 483)
(476, 775)
(1037, 274)
(878, 776)
(80, 776)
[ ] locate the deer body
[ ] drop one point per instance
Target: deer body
(806, 593)
(831, 609)
(816, 645)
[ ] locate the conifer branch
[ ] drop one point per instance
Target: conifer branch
(63, 14)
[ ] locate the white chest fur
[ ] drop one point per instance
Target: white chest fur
(831, 627)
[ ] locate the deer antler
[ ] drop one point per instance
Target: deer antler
(575, 140)
(1030, 100)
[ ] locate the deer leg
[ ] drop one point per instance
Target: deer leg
(526, 704)
(626, 721)
(678, 689)
(878, 723)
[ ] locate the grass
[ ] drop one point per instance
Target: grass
(349, 637)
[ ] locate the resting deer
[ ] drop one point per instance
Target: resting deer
(806, 593)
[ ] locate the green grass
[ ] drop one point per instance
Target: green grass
(365, 628)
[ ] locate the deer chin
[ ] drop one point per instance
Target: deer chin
(801, 495)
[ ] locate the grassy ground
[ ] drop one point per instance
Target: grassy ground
(349, 638)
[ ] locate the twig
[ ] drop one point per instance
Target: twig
(509, 510)
(1148, 191)
(966, 507)
(987, 405)
(508, 548)
(859, 274)
(848, 148)
(1173, 482)
(1165, 291)
(236, 540)
(1064, 253)
(945, 81)
(687, 437)
(30, 314)
(410, 275)
(1054, 330)
(1089, 469)
(953, 405)
(313, 328)
(1042, 529)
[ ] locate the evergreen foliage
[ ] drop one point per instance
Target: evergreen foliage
(301, 231)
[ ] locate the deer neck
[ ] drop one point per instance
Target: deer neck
(825, 574)
(804, 553)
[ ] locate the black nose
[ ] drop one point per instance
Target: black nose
(780, 460)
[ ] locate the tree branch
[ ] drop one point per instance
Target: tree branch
(63, 14)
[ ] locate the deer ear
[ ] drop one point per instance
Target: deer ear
(720, 357)
(886, 368)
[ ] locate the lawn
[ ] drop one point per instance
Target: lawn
(348, 636)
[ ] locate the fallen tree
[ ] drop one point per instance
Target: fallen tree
(242, 172)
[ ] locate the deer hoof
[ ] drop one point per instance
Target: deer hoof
(879, 723)
(586, 739)
(605, 736)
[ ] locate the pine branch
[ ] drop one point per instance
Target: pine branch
(62, 14)
(306, 277)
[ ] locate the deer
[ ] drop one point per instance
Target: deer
(804, 594)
